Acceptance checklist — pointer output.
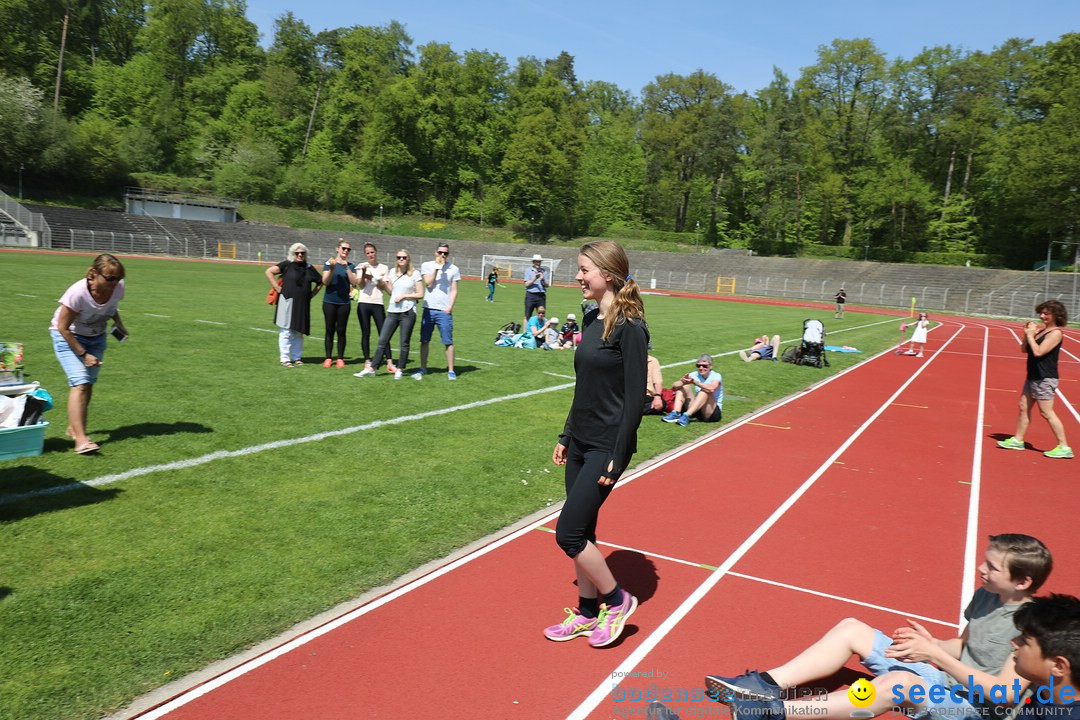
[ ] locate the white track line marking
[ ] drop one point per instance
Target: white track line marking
(264, 330)
(156, 315)
(209, 322)
(222, 454)
(482, 362)
(971, 541)
(786, 586)
(648, 644)
(560, 375)
(25, 295)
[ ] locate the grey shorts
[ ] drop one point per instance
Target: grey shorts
(1041, 389)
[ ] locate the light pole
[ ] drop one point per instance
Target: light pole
(697, 236)
(380, 219)
(20, 181)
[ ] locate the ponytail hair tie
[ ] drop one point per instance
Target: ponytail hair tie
(628, 278)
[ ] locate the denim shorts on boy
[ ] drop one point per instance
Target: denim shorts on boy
(443, 319)
(74, 367)
(1041, 389)
(949, 708)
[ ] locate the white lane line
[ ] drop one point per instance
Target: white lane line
(263, 330)
(971, 540)
(481, 362)
(223, 454)
(648, 644)
(210, 322)
(559, 375)
(156, 315)
(25, 295)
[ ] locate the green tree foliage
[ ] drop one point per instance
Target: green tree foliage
(951, 150)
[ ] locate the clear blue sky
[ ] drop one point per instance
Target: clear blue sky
(630, 42)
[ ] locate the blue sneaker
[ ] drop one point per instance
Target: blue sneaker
(451, 375)
(749, 686)
(671, 417)
(683, 420)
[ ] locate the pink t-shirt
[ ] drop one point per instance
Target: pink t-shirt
(91, 318)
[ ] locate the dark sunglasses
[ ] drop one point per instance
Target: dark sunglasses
(301, 252)
(402, 257)
(442, 252)
(346, 249)
(703, 365)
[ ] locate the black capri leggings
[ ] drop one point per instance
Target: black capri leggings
(337, 320)
(366, 313)
(584, 496)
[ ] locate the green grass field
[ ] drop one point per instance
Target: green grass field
(107, 592)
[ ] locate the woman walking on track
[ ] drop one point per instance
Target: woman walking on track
(600, 436)
(1042, 345)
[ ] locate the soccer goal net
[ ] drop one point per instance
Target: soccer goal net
(513, 267)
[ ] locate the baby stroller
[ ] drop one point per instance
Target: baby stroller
(812, 348)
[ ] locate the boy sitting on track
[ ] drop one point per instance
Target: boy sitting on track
(1045, 653)
(926, 675)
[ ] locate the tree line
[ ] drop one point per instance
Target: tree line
(950, 151)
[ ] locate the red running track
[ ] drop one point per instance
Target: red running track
(871, 494)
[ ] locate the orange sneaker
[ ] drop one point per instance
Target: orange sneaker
(390, 367)
(339, 363)
(327, 362)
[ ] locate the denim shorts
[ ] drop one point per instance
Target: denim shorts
(949, 708)
(443, 319)
(76, 371)
(1041, 389)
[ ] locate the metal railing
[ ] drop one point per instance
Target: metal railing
(31, 222)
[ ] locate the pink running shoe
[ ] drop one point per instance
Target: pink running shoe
(573, 626)
(612, 620)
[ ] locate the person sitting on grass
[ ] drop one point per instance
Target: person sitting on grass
(1045, 653)
(552, 339)
(700, 394)
(537, 324)
(654, 387)
(907, 664)
(762, 349)
(570, 331)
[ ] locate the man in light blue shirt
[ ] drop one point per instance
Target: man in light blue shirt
(701, 393)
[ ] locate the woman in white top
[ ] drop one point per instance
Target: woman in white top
(405, 286)
(78, 334)
(369, 302)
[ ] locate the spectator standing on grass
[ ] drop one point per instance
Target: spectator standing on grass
(841, 298)
(698, 394)
(405, 287)
(369, 302)
(599, 437)
(1042, 345)
(297, 282)
(441, 278)
(78, 333)
(338, 277)
(493, 279)
(536, 285)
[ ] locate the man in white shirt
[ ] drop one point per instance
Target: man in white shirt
(441, 278)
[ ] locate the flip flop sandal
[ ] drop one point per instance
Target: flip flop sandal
(85, 448)
(286, 364)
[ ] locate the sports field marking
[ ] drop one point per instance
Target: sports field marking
(156, 315)
(649, 643)
(481, 362)
(209, 322)
(971, 542)
(774, 427)
(251, 450)
(25, 295)
(263, 330)
(560, 375)
(919, 407)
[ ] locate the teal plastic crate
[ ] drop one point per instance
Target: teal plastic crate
(25, 441)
